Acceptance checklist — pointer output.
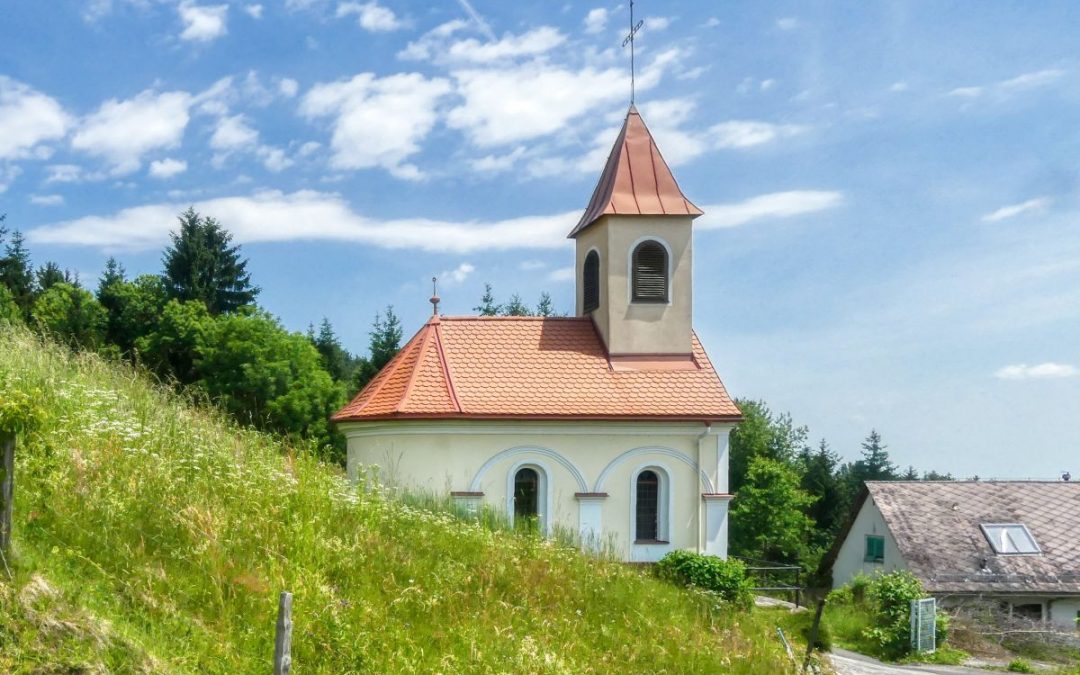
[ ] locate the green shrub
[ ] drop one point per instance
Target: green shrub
(727, 578)
(891, 595)
(1020, 666)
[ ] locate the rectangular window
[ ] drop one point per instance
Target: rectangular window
(875, 548)
(1010, 538)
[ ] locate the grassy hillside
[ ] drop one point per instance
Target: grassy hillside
(153, 535)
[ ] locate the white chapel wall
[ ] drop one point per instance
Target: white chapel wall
(576, 458)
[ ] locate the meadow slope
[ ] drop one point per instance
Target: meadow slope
(153, 535)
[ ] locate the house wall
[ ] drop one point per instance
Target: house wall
(576, 458)
(851, 558)
(635, 327)
(1064, 612)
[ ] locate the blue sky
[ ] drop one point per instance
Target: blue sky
(890, 237)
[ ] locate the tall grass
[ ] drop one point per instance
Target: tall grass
(154, 535)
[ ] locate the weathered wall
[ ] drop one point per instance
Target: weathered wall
(851, 558)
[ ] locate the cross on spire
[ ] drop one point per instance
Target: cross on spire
(634, 28)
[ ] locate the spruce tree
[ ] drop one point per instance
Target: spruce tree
(385, 338)
(488, 306)
(16, 272)
(202, 265)
(545, 307)
(50, 274)
(336, 359)
(516, 307)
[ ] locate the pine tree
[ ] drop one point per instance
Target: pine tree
(874, 465)
(488, 306)
(336, 359)
(114, 273)
(201, 265)
(545, 307)
(384, 345)
(17, 273)
(516, 307)
(821, 479)
(50, 274)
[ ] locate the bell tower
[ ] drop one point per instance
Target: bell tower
(635, 254)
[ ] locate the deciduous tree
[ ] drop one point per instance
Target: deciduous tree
(71, 314)
(768, 515)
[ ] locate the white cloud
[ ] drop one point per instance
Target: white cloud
(309, 148)
(596, 20)
(288, 87)
(64, 173)
(562, 274)
(274, 159)
(898, 86)
(787, 23)
(372, 16)
(47, 200)
(478, 20)
(233, 133)
(167, 168)
(712, 22)
(768, 207)
(308, 216)
(431, 43)
(457, 275)
(8, 174)
(28, 118)
(123, 131)
(526, 101)
(1004, 88)
(1042, 371)
(1037, 204)
(436, 45)
(497, 163)
(254, 11)
(748, 133)
(378, 122)
(202, 23)
(532, 265)
(656, 23)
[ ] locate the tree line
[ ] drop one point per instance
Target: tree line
(791, 498)
(197, 325)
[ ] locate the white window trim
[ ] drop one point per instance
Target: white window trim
(664, 505)
(1031, 537)
(630, 271)
(543, 500)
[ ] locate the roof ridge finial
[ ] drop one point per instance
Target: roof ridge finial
(629, 40)
(435, 296)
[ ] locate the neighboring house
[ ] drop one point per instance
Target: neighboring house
(612, 423)
(1014, 542)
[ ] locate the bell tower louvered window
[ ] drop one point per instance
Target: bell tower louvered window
(590, 277)
(650, 272)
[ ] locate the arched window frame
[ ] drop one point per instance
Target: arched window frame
(663, 504)
(586, 307)
(630, 271)
(543, 500)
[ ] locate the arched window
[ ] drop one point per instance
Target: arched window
(590, 277)
(647, 507)
(526, 498)
(649, 269)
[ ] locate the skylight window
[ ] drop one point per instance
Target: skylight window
(1010, 538)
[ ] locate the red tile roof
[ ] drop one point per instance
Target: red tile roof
(532, 368)
(636, 180)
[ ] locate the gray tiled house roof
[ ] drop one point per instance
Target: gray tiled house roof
(936, 527)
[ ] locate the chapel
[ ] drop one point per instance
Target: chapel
(612, 424)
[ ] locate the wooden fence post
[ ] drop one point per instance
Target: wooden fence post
(283, 638)
(812, 638)
(7, 485)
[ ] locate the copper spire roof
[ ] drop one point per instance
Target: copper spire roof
(636, 180)
(532, 368)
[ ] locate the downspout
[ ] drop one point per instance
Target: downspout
(697, 479)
